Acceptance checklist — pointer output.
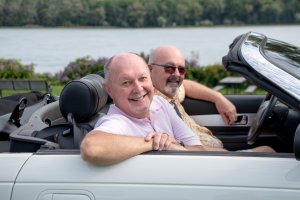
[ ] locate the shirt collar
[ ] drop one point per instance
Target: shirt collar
(170, 100)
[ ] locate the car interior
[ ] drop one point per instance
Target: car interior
(63, 123)
(275, 127)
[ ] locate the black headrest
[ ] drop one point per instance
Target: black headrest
(83, 98)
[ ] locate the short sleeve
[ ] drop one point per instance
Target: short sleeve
(108, 124)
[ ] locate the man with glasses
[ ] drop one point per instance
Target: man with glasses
(167, 66)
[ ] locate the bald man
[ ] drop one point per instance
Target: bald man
(138, 121)
(167, 66)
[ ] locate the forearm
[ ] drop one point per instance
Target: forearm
(223, 105)
(202, 92)
(102, 148)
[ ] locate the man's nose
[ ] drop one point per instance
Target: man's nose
(176, 72)
(138, 86)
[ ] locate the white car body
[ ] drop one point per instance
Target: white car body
(44, 162)
(196, 176)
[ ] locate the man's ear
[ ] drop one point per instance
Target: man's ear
(150, 67)
(106, 88)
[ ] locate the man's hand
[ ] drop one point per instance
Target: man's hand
(226, 109)
(163, 141)
(224, 106)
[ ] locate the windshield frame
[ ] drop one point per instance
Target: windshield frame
(252, 50)
(283, 55)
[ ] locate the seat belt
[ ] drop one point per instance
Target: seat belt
(176, 108)
(18, 112)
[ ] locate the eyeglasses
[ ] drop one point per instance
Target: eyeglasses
(170, 69)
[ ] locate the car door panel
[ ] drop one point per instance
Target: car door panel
(206, 114)
(233, 136)
(168, 176)
(9, 169)
(243, 104)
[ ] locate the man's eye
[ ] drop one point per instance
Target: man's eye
(126, 83)
(144, 78)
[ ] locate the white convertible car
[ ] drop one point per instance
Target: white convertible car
(40, 157)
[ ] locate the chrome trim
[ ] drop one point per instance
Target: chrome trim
(282, 79)
(217, 120)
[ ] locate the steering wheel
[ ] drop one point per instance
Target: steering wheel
(263, 112)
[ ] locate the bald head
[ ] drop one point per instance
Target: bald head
(165, 53)
(122, 60)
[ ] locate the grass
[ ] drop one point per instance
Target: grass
(56, 90)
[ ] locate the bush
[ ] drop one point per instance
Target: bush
(11, 68)
(208, 75)
(79, 68)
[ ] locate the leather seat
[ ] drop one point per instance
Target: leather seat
(83, 98)
(82, 102)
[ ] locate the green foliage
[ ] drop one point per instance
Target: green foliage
(209, 75)
(13, 69)
(56, 89)
(79, 68)
(145, 13)
(10, 68)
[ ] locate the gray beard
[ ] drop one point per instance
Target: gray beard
(171, 90)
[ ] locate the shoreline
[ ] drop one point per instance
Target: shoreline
(136, 28)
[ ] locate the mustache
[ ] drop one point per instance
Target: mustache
(173, 78)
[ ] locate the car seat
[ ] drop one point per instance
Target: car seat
(81, 103)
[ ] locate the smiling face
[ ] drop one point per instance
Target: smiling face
(165, 82)
(129, 84)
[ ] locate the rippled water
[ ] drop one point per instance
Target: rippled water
(51, 49)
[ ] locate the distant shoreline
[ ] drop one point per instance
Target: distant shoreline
(114, 27)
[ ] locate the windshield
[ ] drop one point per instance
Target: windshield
(275, 61)
(283, 55)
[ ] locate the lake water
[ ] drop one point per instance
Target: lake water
(51, 49)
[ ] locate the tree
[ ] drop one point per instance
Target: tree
(27, 14)
(49, 12)
(213, 10)
(270, 11)
(135, 14)
(145, 13)
(151, 13)
(96, 13)
(115, 14)
(10, 12)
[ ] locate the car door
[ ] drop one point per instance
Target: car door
(156, 175)
(9, 169)
(234, 136)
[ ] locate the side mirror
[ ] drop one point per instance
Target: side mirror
(297, 143)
